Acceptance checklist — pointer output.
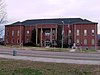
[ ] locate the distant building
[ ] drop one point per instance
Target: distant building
(51, 32)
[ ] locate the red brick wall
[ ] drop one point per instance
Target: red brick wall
(24, 36)
(28, 36)
(89, 36)
(11, 28)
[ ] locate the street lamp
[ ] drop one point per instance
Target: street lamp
(62, 32)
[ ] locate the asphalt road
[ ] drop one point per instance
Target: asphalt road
(48, 54)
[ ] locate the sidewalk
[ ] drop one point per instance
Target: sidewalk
(52, 60)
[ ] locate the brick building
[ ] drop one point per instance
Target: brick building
(63, 32)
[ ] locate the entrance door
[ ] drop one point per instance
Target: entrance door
(47, 43)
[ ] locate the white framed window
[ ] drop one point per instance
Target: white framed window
(47, 33)
(85, 41)
(7, 33)
(78, 32)
(93, 32)
(28, 32)
(13, 33)
(69, 31)
(92, 41)
(85, 32)
(78, 41)
(7, 41)
(18, 33)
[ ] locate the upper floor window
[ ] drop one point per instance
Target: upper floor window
(93, 32)
(78, 32)
(28, 31)
(85, 32)
(18, 33)
(12, 33)
(69, 31)
(47, 33)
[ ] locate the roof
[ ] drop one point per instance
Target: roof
(54, 21)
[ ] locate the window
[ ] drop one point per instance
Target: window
(85, 32)
(12, 33)
(93, 32)
(7, 33)
(12, 41)
(85, 41)
(78, 32)
(69, 31)
(78, 41)
(47, 33)
(17, 41)
(27, 40)
(28, 32)
(18, 33)
(6, 40)
(92, 41)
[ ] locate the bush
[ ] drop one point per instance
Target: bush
(29, 44)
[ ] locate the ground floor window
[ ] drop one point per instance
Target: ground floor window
(92, 41)
(17, 41)
(12, 41)
(85, 41)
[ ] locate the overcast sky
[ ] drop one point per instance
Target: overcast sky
(19, 10)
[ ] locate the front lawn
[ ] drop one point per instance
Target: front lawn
(16, 67)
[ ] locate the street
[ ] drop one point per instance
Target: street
(47, 56)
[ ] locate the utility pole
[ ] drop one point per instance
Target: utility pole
(62, 32)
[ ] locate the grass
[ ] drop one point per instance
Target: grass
(16, 67)
(38, 48)
(86, 51)
(52, 49)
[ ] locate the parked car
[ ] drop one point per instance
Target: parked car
(1, 42)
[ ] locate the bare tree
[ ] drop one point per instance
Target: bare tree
(3, 13)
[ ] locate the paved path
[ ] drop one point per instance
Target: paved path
(54, 60)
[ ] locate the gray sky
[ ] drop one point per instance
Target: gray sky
(19, 10)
